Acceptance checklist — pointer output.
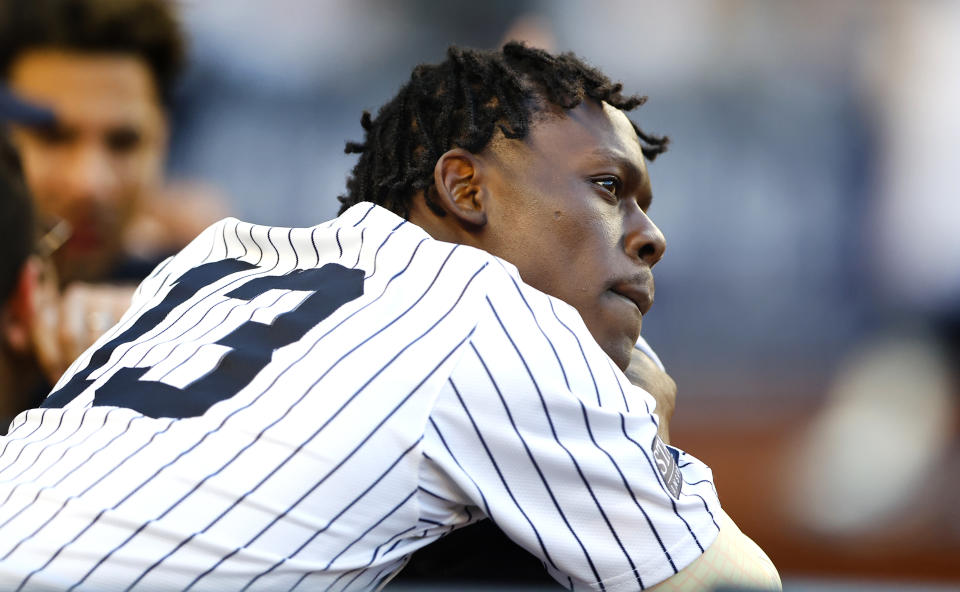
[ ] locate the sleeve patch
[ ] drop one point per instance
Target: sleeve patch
(667, 467)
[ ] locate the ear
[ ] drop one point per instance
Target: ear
(16, 315)
(459, 189)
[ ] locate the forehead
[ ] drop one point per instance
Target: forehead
(87, 89)
(589, 130)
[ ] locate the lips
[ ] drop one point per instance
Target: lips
(86, 237)
(639, 294)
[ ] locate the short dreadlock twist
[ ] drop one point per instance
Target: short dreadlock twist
(460, 103)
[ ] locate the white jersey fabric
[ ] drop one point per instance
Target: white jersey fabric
(301, 409)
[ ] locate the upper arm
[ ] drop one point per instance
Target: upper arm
(538, 428)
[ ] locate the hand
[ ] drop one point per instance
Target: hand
(167, 220)
(68, 323)
(644, 373)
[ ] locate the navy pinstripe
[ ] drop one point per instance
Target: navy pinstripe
(496, 467)
(447, 387)
(237, 455)
(586, 421)
(530, 455)
(327, 422)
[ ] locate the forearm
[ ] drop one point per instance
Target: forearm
(732, 560)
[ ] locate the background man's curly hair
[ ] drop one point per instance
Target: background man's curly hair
(460, 103)
(143, 28)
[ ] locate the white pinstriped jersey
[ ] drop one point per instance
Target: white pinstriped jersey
(303, 408)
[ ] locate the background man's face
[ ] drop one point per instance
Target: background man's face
(569, 210)
(105, 153)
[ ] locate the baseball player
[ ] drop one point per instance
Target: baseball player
(85, 87)
(304, 408)
(20, 280)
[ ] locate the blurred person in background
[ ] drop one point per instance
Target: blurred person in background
(27, 286)
(105, 72)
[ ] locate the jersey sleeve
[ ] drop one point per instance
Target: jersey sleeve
(538, 428)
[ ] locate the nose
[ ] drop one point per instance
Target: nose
(89, 176)
(644, 241)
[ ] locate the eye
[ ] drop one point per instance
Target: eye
(53, 135)
(609, 183)
(123, 140)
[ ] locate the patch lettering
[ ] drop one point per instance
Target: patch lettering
(667, 467)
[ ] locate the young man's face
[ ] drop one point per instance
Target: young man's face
(568, 208)
(103, 156)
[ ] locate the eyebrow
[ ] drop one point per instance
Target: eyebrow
(625, 163)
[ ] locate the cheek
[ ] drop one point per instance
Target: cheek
(576, 274)
(138, 174)
(597, 261)
(40, 173)
(590, 244)
(149, 158)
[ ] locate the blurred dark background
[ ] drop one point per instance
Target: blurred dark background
(808, 302)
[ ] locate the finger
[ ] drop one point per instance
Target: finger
(98, 321)
(73, 324)
(104, 306)
(46, 320)
(49, 353)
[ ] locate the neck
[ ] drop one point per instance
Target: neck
(443, 228)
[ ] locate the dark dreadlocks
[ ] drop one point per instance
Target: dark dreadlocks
(460, 103)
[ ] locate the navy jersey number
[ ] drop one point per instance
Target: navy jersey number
(251, 344)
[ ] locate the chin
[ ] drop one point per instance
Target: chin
(615, 332)
(620, 351)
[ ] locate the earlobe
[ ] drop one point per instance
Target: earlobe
(459, 188)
